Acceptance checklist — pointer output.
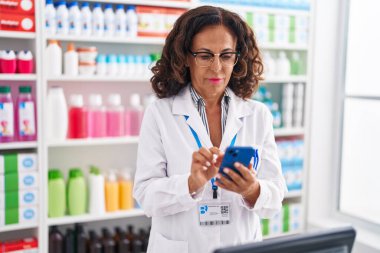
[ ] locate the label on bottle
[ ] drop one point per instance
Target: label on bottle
(26, 119)
(6, 119)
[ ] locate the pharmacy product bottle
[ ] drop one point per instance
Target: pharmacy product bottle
(112, 65)
(71, 61)
(86, 19)
(146, 63)
(76, 193)
(50, 18)
(80, 239)
(107, 241)
(287, 105)
(121, 65)
(74, 19)
(140, 66)
(69, 241)
(7, 118)
(134, 115)
(269, 65)
(120, 21)
(283, 65)
(124, 245)
(26, 115)
(55, 241)
(97, 117)
(53, 54)
(96, 194)
(112, 192)
(109, 21)
(101, 65)
(57, 115)
(77, 118)
(130, 65)
(94, 245)
(8, 62)
(57, 194)
(132, 22)
(295, 64)
(62, 18)
(115, 116)
(25, 62)
(125, 191)
(276, 116)
(97, 20)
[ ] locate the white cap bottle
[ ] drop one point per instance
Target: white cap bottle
(57, 114)
(283, 65)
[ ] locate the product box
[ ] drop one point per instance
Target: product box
(20, 215)
(295, 217)
(28, 245)
(17, 22)
(19, 7)
(23, 162)
(19, 181)
(276, 224)
(16, 199)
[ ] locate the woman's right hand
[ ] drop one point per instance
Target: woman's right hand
(203, 167)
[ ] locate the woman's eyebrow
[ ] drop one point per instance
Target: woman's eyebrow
(208, 50)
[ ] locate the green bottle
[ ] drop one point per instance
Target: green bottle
(76, 192)
(57, 194)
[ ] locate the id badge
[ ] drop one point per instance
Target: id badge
(212, 214)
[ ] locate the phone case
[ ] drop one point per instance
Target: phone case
(234, 154)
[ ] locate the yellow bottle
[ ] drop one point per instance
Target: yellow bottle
(125, 190)
(112, 193)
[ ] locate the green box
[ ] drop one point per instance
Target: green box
(11, 216)
(10, 163)
(11, 200)
(11, 182)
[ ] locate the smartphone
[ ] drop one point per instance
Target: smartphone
(242, 155)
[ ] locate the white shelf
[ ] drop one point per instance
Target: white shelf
(285, 79)
(273, 46)
(293, 194)
(17, 35)
(94, 142)
(91, 218)
(282, 132)
(18, 77)
(18, 145)
(93, 39)
(16, 227)
(95, 78)
(170, 4)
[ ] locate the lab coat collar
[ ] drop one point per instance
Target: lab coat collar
(238, 109)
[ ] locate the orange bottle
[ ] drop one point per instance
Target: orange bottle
(112, 193)
(125, 190)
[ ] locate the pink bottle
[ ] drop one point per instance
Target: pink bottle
(8, 62)
(97, 118)
(26, 115)
(25, 63)
(7, 131)
(115, 116)
(133, 116)
(77, 118)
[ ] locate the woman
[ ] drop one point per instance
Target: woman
(210, 67)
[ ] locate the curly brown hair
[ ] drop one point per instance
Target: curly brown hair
(170, 74)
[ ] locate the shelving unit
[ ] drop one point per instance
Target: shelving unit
(124, 147)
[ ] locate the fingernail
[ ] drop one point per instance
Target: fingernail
(237, 164)
(225, 170)
(208, 164)
(204, 168)
(214, 156)
(217, 176)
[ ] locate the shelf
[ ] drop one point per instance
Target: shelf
(256, 9)
(293, 194)
(285, 79)
(18, 145)
(282, 132)
(92, 218)
(93, 39)
(95, 78)
(95, 142)
(170, 4)
(17, 35)
(293, 47)
(8, 228)
(18, 77)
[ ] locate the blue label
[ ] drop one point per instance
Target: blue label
(203, 209)
(28, 214)
(28, 162)
(29, 180)
(29, 197)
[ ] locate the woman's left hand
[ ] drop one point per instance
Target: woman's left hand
(246, 185)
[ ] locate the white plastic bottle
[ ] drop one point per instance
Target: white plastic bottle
(109, 21)
(112, 66)
(97, 194)
(269, 65)
(71, 65)
(57, 114)
(86, 19)
(62, 18)
(130, 65)
(120, 21)
(132, 21)
(298, 104)
(50, 16)
(101, 65)
(74, 19)
(287, 105)
(53, 56)
(97, 20)
(283, 65)
(140, 66)
(146, 62)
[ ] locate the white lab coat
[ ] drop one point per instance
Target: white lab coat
(163, 167)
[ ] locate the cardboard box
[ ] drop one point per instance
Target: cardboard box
(19, 7)
(20, 215)
(16, 22)
(19, 181)
(16, 199)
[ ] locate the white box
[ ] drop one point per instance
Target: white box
(26, 198)
(282, 21)
(276, 224)
(2, 218)
(28, 181)
(281, 36)
(28, 214)
(27, 162)
(260, 21)
(1, 165)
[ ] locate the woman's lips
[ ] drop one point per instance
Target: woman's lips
(215, 80)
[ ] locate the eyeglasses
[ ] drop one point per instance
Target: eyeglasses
(205, 59)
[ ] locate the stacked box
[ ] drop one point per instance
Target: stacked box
(17, 15)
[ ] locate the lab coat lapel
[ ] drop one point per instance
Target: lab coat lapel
(183, 105)
(237, 110)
